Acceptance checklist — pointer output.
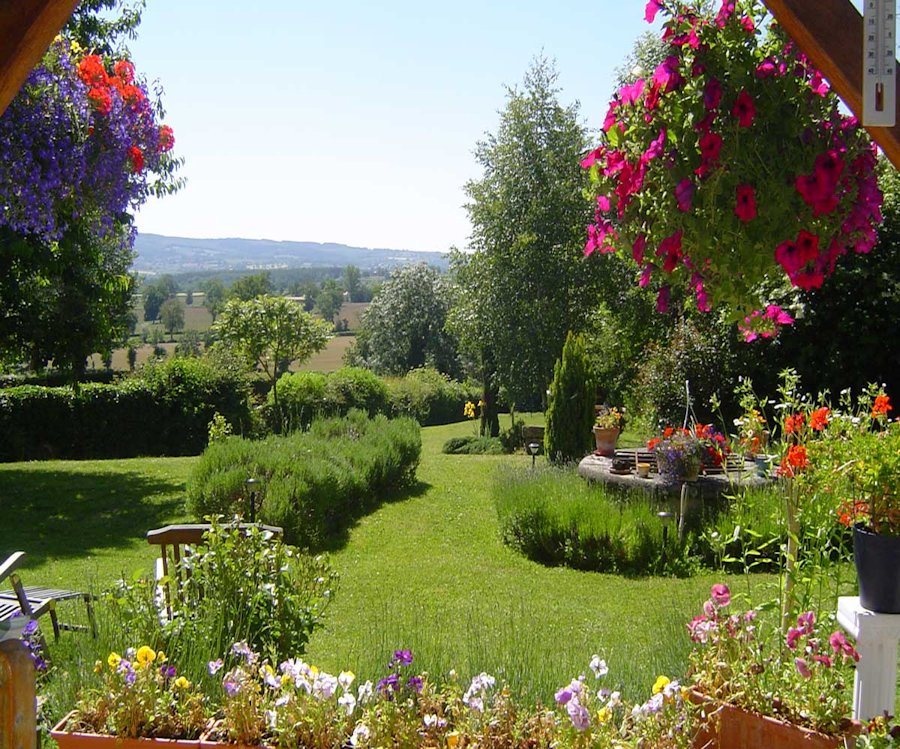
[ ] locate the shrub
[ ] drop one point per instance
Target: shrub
(301, 397)
(554, 517)
(354, 387)
(570, 407)
(429, 397)
(311, 483)
(473, 445)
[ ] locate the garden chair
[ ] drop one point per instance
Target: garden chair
(35, 601)
(176, 543)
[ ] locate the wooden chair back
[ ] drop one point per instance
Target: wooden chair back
(175, 543)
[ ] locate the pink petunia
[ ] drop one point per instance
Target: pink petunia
(818, 84)
(684, 194)
(720, 594)
(670, 250)
(712, 94)
(638, 248)
(662, 300)
(802, 668)
(652, 8)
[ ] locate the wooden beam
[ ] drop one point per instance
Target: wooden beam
(27, 27)
(830, 32)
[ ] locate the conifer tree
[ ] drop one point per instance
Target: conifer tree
(570, 406)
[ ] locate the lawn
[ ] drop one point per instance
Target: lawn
(426, 571)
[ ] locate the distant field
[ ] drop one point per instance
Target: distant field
(331, 358)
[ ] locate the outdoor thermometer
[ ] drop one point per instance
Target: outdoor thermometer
(879, 66)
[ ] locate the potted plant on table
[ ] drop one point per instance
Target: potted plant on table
(758, 687)
(679, 454)
(607, 428)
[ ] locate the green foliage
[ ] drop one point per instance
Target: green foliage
(353, 284)
(527, 283)
(423, 394)
(239, 585)
(154, 297)
(250, 287)
(699, 352)
(271, 332)
(172, 315)
(429, 397)
(403, 328)
(570, 406)
(311, 483)
(214, 295)
(473, 445)
(329, 299)
(163, 410)
(557, 518)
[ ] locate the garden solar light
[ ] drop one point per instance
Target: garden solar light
(251, 489)
(533, 448)
(665, 518)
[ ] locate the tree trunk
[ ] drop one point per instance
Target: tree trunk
(490, 421)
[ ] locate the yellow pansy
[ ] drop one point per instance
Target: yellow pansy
(76, 48)
(98, 667)
(603, 715)
(452, 739)
(160, 656)
(145, 656)
(181, 683)
(114, 660)
(660, 684)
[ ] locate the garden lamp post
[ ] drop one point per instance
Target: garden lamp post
(533, 448)
(251, 490)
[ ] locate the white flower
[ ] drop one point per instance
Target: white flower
(347, 701)
(615, 699)
(271, 718)
(598, 666)
(430, 720)
(345, 679)
(360, 735)
(325, 686)
(365, 692)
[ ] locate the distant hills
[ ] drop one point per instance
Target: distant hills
(160, 254)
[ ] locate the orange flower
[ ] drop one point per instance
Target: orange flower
(652, 443)
(881, 406)
(795, 460)
(703, 431)
(819, 419)
(668, 432)
(793, 423)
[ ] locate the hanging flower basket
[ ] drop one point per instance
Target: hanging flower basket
(729, 172)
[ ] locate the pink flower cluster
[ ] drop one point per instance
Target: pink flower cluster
(655, 169)
(809, 648)
(714, 622)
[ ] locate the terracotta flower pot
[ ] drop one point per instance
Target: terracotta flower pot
(606, 440)
(67, 739)
(213, 738)
(725, 726)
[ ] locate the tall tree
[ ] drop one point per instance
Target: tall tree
(172, 315)
(352, 283)
(250, 287)
(404, 327)
(271, 332)
(329, 299)
(214, 295)
(526, 284)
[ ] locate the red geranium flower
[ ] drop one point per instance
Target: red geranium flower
(881, 406)
(794, 423)
(795, 460)
(137, 159)
(818, 420)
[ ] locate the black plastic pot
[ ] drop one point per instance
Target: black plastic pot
(877, 560)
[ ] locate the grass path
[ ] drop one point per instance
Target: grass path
(430, 573)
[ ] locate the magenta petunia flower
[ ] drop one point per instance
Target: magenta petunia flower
(666, 75)
(684, 194)
(748, 24)
(744, 109)
(650, 10)
(745, 204)
(710, 146)
(638, 248)
(662, 300)
(802, 668)
(818, 84)
(630, 93)
(670, 250)
(645, 275)
(712, 94)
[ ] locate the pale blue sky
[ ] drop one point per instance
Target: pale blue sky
(351, 121)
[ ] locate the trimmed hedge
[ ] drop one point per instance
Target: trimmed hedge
(423, 394)
(311, 483)
(165, 410)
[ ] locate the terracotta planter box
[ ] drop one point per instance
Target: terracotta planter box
(209, 740)
(729, 727)
(76, 740)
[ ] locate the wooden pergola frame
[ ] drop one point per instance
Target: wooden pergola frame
(828, 31)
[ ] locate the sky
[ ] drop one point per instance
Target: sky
(350, 121)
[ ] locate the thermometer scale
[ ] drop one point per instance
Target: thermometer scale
(879, 66)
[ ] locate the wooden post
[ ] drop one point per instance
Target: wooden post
(18, 722)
